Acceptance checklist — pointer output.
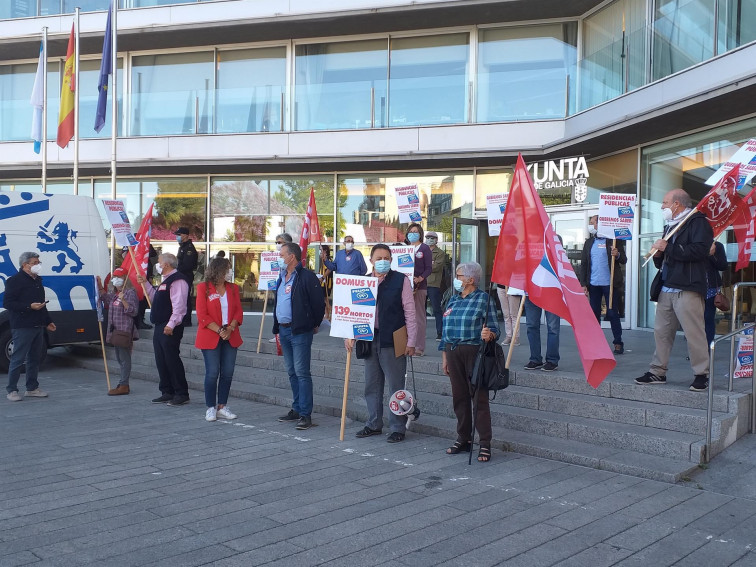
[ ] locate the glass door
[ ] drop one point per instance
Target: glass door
(465, 244)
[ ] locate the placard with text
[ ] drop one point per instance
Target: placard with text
(403, 260)
(269, 270)
(616, 215)
(354, 302)
(115, 211)
(496, 204)
(408, 203)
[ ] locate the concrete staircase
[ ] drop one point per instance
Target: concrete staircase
(651, 432)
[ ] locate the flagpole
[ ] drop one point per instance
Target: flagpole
(114, 98)
(44, 109)
(611, 278)
(76, 105)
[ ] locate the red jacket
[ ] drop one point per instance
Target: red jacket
(209, 311)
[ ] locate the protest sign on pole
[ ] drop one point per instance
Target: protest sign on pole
(408, 203)
(496, 204)
(352, 317)
(615, 216)
(100, 321)
(403, 260)
(115, 211)
(744, 359)
(269, 270)
(745, 157)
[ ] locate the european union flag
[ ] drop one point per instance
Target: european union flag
(106, 68)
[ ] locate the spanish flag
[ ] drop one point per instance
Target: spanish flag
(66, 116)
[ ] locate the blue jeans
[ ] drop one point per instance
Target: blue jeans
(595, 293)
(27, 347)
(533, 319)
(296, 352)
(219, 371)
(434, 294)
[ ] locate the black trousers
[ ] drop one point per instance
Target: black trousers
(168, 361)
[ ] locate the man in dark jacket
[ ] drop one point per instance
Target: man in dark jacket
(298, 312)
(25, 301)
(596, 276)
(683, 260)
(187, 264)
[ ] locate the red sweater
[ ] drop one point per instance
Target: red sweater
(209, 311)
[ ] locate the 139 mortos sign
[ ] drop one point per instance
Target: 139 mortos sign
(562, 174)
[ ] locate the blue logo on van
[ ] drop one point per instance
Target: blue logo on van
(362, 332)
(404, 260)
(363, 296)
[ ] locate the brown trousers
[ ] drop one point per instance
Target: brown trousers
(460, 362)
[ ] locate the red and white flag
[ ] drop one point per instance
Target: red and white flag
(529, 256)
(746, 232)
(723, 205)
(310, 228)
(141, 253)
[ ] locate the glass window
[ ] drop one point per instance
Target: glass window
(429, 80)
(251, 83)
(526, 73)
(735, 24)
(683, 34)
(54, 187)
(490, 183)
(172, 94)
(341, 85)
(614, 59)
(16, 85)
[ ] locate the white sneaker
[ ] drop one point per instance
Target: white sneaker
(226, 413)
(14, 397)
(273, 340)
(210, 414)
(35, 394)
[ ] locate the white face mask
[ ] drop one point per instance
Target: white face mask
(229, 277)
(349, 245)
(117, 282)
(591, 229)
(278, 247)
(36, 269)
(667, 214)
(159, 268)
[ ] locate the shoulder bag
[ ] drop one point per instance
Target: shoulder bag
(490, 371)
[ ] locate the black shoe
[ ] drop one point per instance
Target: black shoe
(395, 437)
(291, 416)
(533, 365)
(549, 367)
(164, 399)
(179, 401)
(367, 432)
(700, 383)
(619, 349)
(650, 378)
(304, 423)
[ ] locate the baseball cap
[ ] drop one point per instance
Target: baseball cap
(119, 273)
(182, 230)
(431, 234)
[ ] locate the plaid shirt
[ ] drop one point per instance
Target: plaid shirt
(119, 317)
(463, 319)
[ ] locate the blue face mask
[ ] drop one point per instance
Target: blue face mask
(382, 266)
(178, 239)
(413, 237)
(458, 285)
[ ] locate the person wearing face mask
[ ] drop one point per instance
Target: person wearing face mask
(439, 261)
(24, 299)
(395, 308)
(123, 305)
(683, 261)
(167, 314)
(595, 273)
(219, 315)
(187, 265)
(347, 260)
(281, 239)
(423, 269)
(297, 315)
(462, 332)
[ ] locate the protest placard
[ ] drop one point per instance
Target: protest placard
(496, 204)
(269, 270)
(745, 156)
(408, 203)
(115, 211)
(744, 359)
(616, 215)
(353, 311)
(403, 260)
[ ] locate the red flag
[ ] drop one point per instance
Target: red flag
(723, 205)
(141, 253)
(529, 256)
(310, 228)
(745, 234)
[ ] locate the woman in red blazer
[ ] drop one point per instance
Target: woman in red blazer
(219, 314)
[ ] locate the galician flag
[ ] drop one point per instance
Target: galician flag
(141, 252)
(310, 228)
(529, 256)
(38, 100)
(66, 115)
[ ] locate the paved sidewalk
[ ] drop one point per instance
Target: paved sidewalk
(92, 479)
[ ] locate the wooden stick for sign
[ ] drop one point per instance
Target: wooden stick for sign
(262, 320)
(346, 392)
(104, 358)
(134, 265)
(515, 331)
(611, 278)
(667, 236)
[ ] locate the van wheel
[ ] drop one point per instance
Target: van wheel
(6, 349)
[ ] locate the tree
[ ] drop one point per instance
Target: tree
(176, 205)
(295, 193)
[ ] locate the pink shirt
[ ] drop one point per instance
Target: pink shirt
(408, 304)
(179, 292)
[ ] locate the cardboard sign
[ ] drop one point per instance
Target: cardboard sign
(354, 303)
(615, 216)
(269, 270)
(119, 220)
(496, 204)
(408, 203)
(746, 157)
(744, 360)
(403, 260)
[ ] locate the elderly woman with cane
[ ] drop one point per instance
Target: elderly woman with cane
(464, 327)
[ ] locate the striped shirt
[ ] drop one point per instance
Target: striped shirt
(463, 319)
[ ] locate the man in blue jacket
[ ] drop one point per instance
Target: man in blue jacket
(347, 261)
(299, 310)
(25, 301)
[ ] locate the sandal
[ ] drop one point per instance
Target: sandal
(459, 447)
(484, 455)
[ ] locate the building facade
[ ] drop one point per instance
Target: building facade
(231, 110)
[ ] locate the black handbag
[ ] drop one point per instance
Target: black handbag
(656, 286)
(490, 371)
(362, 349)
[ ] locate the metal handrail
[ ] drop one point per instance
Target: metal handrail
(710, 408)
(735, 310)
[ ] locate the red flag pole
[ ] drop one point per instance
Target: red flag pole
(134, 264)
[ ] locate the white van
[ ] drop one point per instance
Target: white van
(67, 233)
